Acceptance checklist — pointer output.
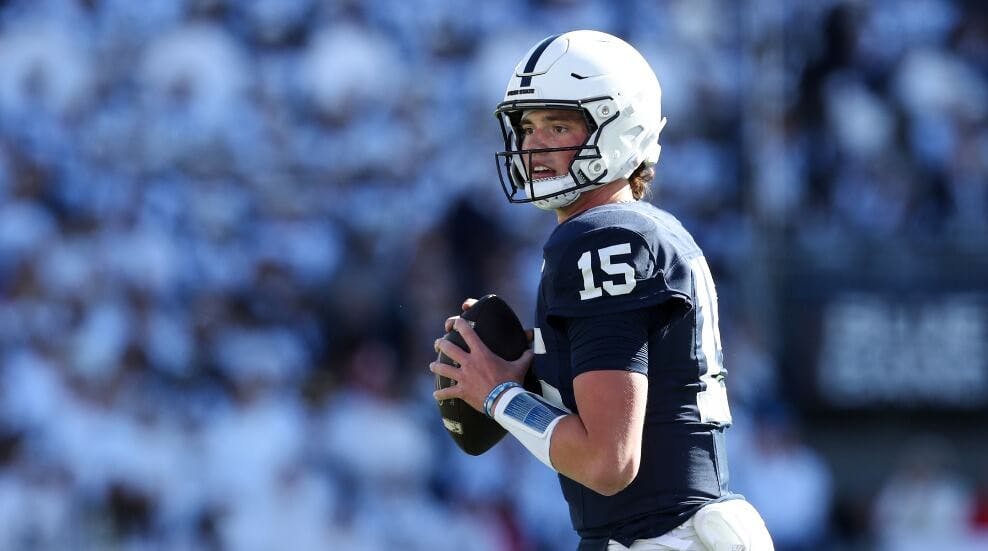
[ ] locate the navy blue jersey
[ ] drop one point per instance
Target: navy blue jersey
(615, 275)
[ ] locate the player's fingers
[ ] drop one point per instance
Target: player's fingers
(468, 303)
(449, 323)
(444, 370)
(454, 352)
(530, 335)
(447, 393)
(470, 336)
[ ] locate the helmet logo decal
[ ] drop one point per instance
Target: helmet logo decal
(532, 61)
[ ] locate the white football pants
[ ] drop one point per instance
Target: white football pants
(732, 525)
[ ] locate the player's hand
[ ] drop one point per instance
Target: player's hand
(480, 369)
(465, 306)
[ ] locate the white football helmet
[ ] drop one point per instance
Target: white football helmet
(613, 86)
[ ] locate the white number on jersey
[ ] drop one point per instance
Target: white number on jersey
(712, 402)
(590, 288)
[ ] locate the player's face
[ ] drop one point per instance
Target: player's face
(548, 128)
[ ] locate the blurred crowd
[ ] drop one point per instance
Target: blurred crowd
(230, 231)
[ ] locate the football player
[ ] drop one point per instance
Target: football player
(633, 406)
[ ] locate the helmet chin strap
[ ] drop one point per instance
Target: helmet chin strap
(557, 202)
(548, 186)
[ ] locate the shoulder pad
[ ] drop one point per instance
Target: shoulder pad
(611, 269)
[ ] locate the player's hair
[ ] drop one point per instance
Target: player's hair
(641, 178)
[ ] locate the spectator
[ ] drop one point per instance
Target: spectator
(214, 215)
(923, 502)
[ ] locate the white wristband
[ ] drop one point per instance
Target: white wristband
(530, 419)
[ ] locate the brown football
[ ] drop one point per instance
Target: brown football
(499, 328)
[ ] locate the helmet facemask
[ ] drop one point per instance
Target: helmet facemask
(585, 169)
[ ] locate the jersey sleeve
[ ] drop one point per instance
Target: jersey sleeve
(614, 269)
(616, 341)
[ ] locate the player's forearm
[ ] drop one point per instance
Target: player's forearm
(603, 455)
(602, 464)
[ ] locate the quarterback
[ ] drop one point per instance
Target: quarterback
(627, 349)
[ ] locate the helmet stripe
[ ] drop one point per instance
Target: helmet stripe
(532, 61)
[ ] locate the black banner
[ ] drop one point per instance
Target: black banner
(882, 339)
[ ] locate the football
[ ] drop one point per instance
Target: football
(499, 328)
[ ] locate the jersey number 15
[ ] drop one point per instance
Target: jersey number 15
(623, 269)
